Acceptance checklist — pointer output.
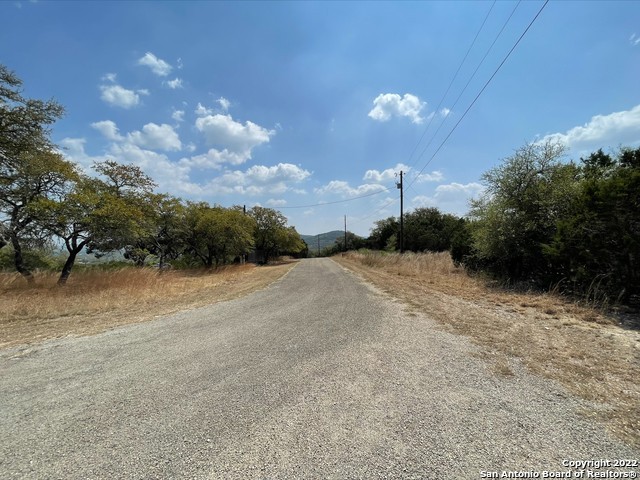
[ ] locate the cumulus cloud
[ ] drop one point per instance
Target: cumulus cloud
(178, 115)
(385, 176)
(74, 151)
(109, 77)
(276, 203)
(452, 197)
(238, 140)
(224, 104)
(175, 83)
(167, 174)
(157, 65)
(201, 110)
(435, 176)
(121, 97)
(342, 188)
(602, 130)
(445, 112)
(259, 180)
(108, 129)
(156, 137)
(387, 105)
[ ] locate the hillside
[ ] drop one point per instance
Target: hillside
(326, 239)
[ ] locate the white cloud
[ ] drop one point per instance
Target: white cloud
(276, 203)
(343, 189)
(109, 77)
(602, 131)
(224, 104)
(169, 176)
(201, 110)
(281, 172)
(435, 176)
(236, 139)
(73, 150)
(214, 159)
(445, 112)
(386, 175)
(121, 97)
(157, 137)
(157, 65)
(108, 129)
(175, 83)
(258, 180)
(634, 39)
(389, 105)
(178, 115)
(451, 198)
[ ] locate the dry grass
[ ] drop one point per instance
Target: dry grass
(96, 300)
(582, 348)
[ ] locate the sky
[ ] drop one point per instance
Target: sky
(306, 106)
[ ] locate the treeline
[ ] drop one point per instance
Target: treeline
(44, 198)
(543, 222)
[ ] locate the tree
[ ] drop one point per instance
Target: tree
(596, 248)
(383, 231)
(216, 235)
(272, 236)
(99, 215)
(35, 177)
(428, 229)
(30, 169)
(165, 232)
(524, 198)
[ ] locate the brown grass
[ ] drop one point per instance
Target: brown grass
(582, 348)
(94, 301)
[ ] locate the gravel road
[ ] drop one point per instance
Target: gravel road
(317, 376)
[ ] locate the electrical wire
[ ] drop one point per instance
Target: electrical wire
(469, 81)
(385, 189)
(455, 75)
(482, 90)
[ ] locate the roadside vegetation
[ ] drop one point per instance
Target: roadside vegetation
(50, 207)
(105, 296)
(592, 353)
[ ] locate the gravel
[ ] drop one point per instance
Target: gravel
(317, 376)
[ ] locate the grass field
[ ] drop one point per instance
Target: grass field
(95, 300)
(585, 349)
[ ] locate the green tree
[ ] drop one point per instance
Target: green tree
(29, 168)
(596, 248)
(272, 236)
(524, 198)
(383, 231)
(428, 229)
(216, 235)
(164, 233)
(99, 215)
(37, 176)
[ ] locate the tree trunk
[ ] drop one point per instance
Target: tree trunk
(19, 261)
(66, 270)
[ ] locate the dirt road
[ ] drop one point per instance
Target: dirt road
(317, 376)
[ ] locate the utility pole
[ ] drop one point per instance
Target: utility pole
(400, 186)
(318, 237)
(345, 233)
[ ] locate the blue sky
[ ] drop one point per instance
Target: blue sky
(295, 104)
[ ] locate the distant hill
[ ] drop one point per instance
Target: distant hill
(326, 239)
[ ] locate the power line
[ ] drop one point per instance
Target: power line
(428, 125)
(482, 90)
(384, 189)
(469, 81)
(455, 75)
